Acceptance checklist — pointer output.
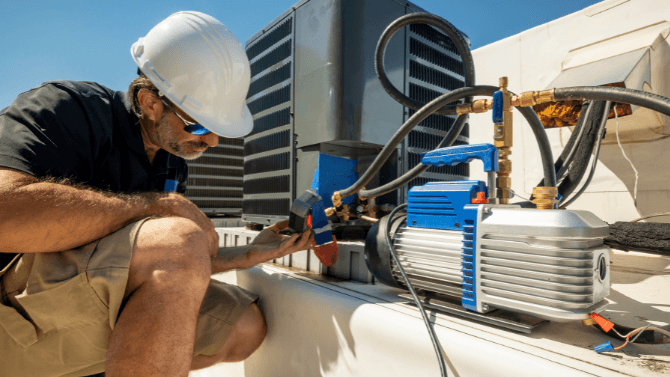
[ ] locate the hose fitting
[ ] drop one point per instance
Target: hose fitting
(526, 99)
(545, 197)
(337, 199)
(479, 106)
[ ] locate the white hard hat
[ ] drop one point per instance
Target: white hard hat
(199, 65)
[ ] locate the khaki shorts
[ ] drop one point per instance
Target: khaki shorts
(59, 309)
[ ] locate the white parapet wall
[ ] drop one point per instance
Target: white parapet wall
(533, 59)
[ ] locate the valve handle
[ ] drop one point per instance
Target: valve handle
(463, 154)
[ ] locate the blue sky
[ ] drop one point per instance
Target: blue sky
(90, 40)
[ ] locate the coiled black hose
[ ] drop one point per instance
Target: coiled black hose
(440, 24)
(405, 129)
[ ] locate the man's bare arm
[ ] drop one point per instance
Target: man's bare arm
(41, 216)
(267, 245)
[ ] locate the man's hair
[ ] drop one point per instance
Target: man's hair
(141, 82)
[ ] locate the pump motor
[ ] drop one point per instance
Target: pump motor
(550, 264)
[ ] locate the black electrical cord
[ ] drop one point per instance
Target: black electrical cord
(431, 331)
(405, 129)
(601, 134)
(439, 23)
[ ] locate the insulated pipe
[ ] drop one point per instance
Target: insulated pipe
(405, 129)
(440, 24)
(613, 94)
(600, 135)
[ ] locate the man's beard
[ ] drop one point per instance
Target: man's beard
(167, 137)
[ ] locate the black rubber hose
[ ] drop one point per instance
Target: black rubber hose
(580, 162)
(405, 129)
(613, 94)
(532, 119)
(419, 169)
(440, 24)
(543, 143)
(601, 134)
(431, 331)
(565, 159)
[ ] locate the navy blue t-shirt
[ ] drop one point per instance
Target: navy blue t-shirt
(84, 132)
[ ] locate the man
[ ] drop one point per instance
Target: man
(110, 273)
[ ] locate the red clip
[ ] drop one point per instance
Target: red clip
(327, 253)
(481, 198)
(602, 322)
(309, 221)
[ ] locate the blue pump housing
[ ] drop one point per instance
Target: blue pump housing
(440, 205)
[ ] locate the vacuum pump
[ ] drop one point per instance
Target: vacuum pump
(550, 264)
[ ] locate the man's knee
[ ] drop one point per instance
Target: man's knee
(170, 249)
(246, 337)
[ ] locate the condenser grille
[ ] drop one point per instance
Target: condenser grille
(425, 52)
(267, 185)
(269, 150)
(282, 31)
(271, 99)
(434, 36)
(214, 181)
(274, 162)
(271, 207)
(434, 68)
(434, 77)
(272, 120)
(270, 79)
(267, 143)
(275, 56)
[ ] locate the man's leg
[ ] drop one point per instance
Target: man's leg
(168, 276)
(246, 337)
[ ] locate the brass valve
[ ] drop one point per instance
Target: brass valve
(337, 199)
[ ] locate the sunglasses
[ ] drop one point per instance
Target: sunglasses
(190, 127)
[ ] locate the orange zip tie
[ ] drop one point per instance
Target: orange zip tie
(602, 322)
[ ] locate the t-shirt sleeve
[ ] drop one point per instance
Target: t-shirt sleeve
(46, 132)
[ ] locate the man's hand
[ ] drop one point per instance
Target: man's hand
(178, 205)
(267, 245)
(276, 245)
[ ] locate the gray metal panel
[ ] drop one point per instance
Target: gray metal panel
(318, 72)
(370, 114)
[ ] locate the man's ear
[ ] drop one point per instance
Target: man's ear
(152, 106)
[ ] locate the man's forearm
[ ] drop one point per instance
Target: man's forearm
(46, 216)
(231, 258)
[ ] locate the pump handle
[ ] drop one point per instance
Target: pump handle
(463, 154)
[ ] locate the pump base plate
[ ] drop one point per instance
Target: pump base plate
(501, 318)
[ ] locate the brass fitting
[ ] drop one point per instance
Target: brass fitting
(545, 197)
(330, 211)
(526, 99)
(503, 180)
(344, 214)
(337, 199)
(478, 106)
(589, 322)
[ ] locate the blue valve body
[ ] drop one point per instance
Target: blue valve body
(497, 107)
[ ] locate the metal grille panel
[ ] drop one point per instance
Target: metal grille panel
(214, 181)
(433, 68)
(268, 150)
